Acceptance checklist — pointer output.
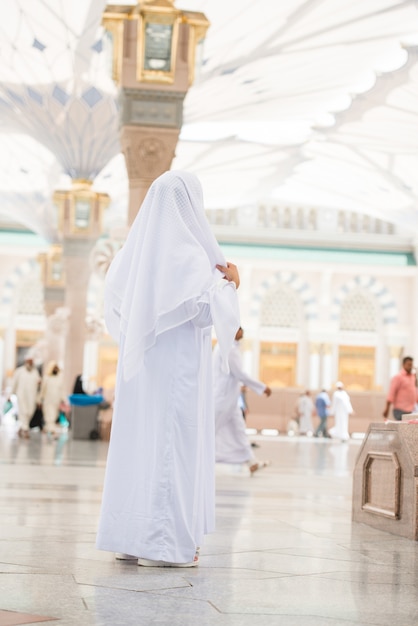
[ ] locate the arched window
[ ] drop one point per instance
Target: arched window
(281, 307)
(358, 312)
(356, 367)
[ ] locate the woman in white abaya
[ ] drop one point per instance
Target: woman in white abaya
(165, 289)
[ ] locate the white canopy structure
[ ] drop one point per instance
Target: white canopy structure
(313, 102)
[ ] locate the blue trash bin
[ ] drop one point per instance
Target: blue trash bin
(84, 415)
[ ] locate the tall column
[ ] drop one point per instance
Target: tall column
(81, 211)
(2, 369)
(77, 271)
(326, 366)
(314, 365)
(395, 353)
(53, 278)
(95, 330)
(148, 154)
(55, 335)
(153, 58)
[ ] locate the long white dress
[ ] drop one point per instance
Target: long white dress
(341, 409)
(158, 499)
(305, 407)
(52, 393)
(25, 385)
(231, 441)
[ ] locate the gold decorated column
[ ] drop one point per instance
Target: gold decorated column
(153, 47)
(53, 278)
(81, 211)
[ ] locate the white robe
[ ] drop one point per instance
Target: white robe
(341, 409)
(305, 408)
(51, 396)
(232, 445)
(25, 385)
(158, 499)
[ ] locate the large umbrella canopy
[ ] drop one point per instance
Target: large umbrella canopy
(306, 101)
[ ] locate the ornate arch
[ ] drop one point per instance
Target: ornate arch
(375, 288)
(305, 293)
(9, 288)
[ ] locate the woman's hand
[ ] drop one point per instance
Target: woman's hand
(230, 273)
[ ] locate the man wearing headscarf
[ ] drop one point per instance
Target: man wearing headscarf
(25, 385)
(52, 394)
(341, 409)
(165, 289)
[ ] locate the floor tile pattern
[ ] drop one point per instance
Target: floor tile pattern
(285, 553)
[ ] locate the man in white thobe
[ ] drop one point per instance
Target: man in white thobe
(25, 385)
(231, 441)
(305, 409)
(52, 394)
(341, 409)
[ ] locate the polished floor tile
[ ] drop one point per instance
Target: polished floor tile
(285, 553)
(11, 618)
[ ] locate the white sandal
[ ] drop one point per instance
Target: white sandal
(151, 563)
(120, 556)
(259, 465)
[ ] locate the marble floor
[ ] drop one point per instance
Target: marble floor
(285, 553)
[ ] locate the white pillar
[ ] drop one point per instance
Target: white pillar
(90, 361)
(2, 381)
(9, 348)
(394, 362)
(326, 367)
(314, 365)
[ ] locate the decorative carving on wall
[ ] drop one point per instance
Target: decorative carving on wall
(144, 158)
(382, 484)
(95, 328)
(102, 255)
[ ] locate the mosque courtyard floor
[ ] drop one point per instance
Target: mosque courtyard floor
(285, 553)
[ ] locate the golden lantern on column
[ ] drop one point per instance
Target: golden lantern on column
(52, 268)
(80, 211)
(152, 50)
(156, 40)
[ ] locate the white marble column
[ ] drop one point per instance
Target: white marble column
(9, 347)
(394, 361)
(326, 366)
(91, 354)
(314, 365)
(77, 271)
(95, 330)
(2, 369)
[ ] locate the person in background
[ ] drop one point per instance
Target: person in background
(322, 406)
(9, 409)
(164, 291)
(242, 401)
(25, 385)
(305, 410)
(78, 385)
(341, 409)
(231, 441)
(52, 394)
(403, 391)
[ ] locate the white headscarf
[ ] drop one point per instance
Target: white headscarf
(167, 262)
